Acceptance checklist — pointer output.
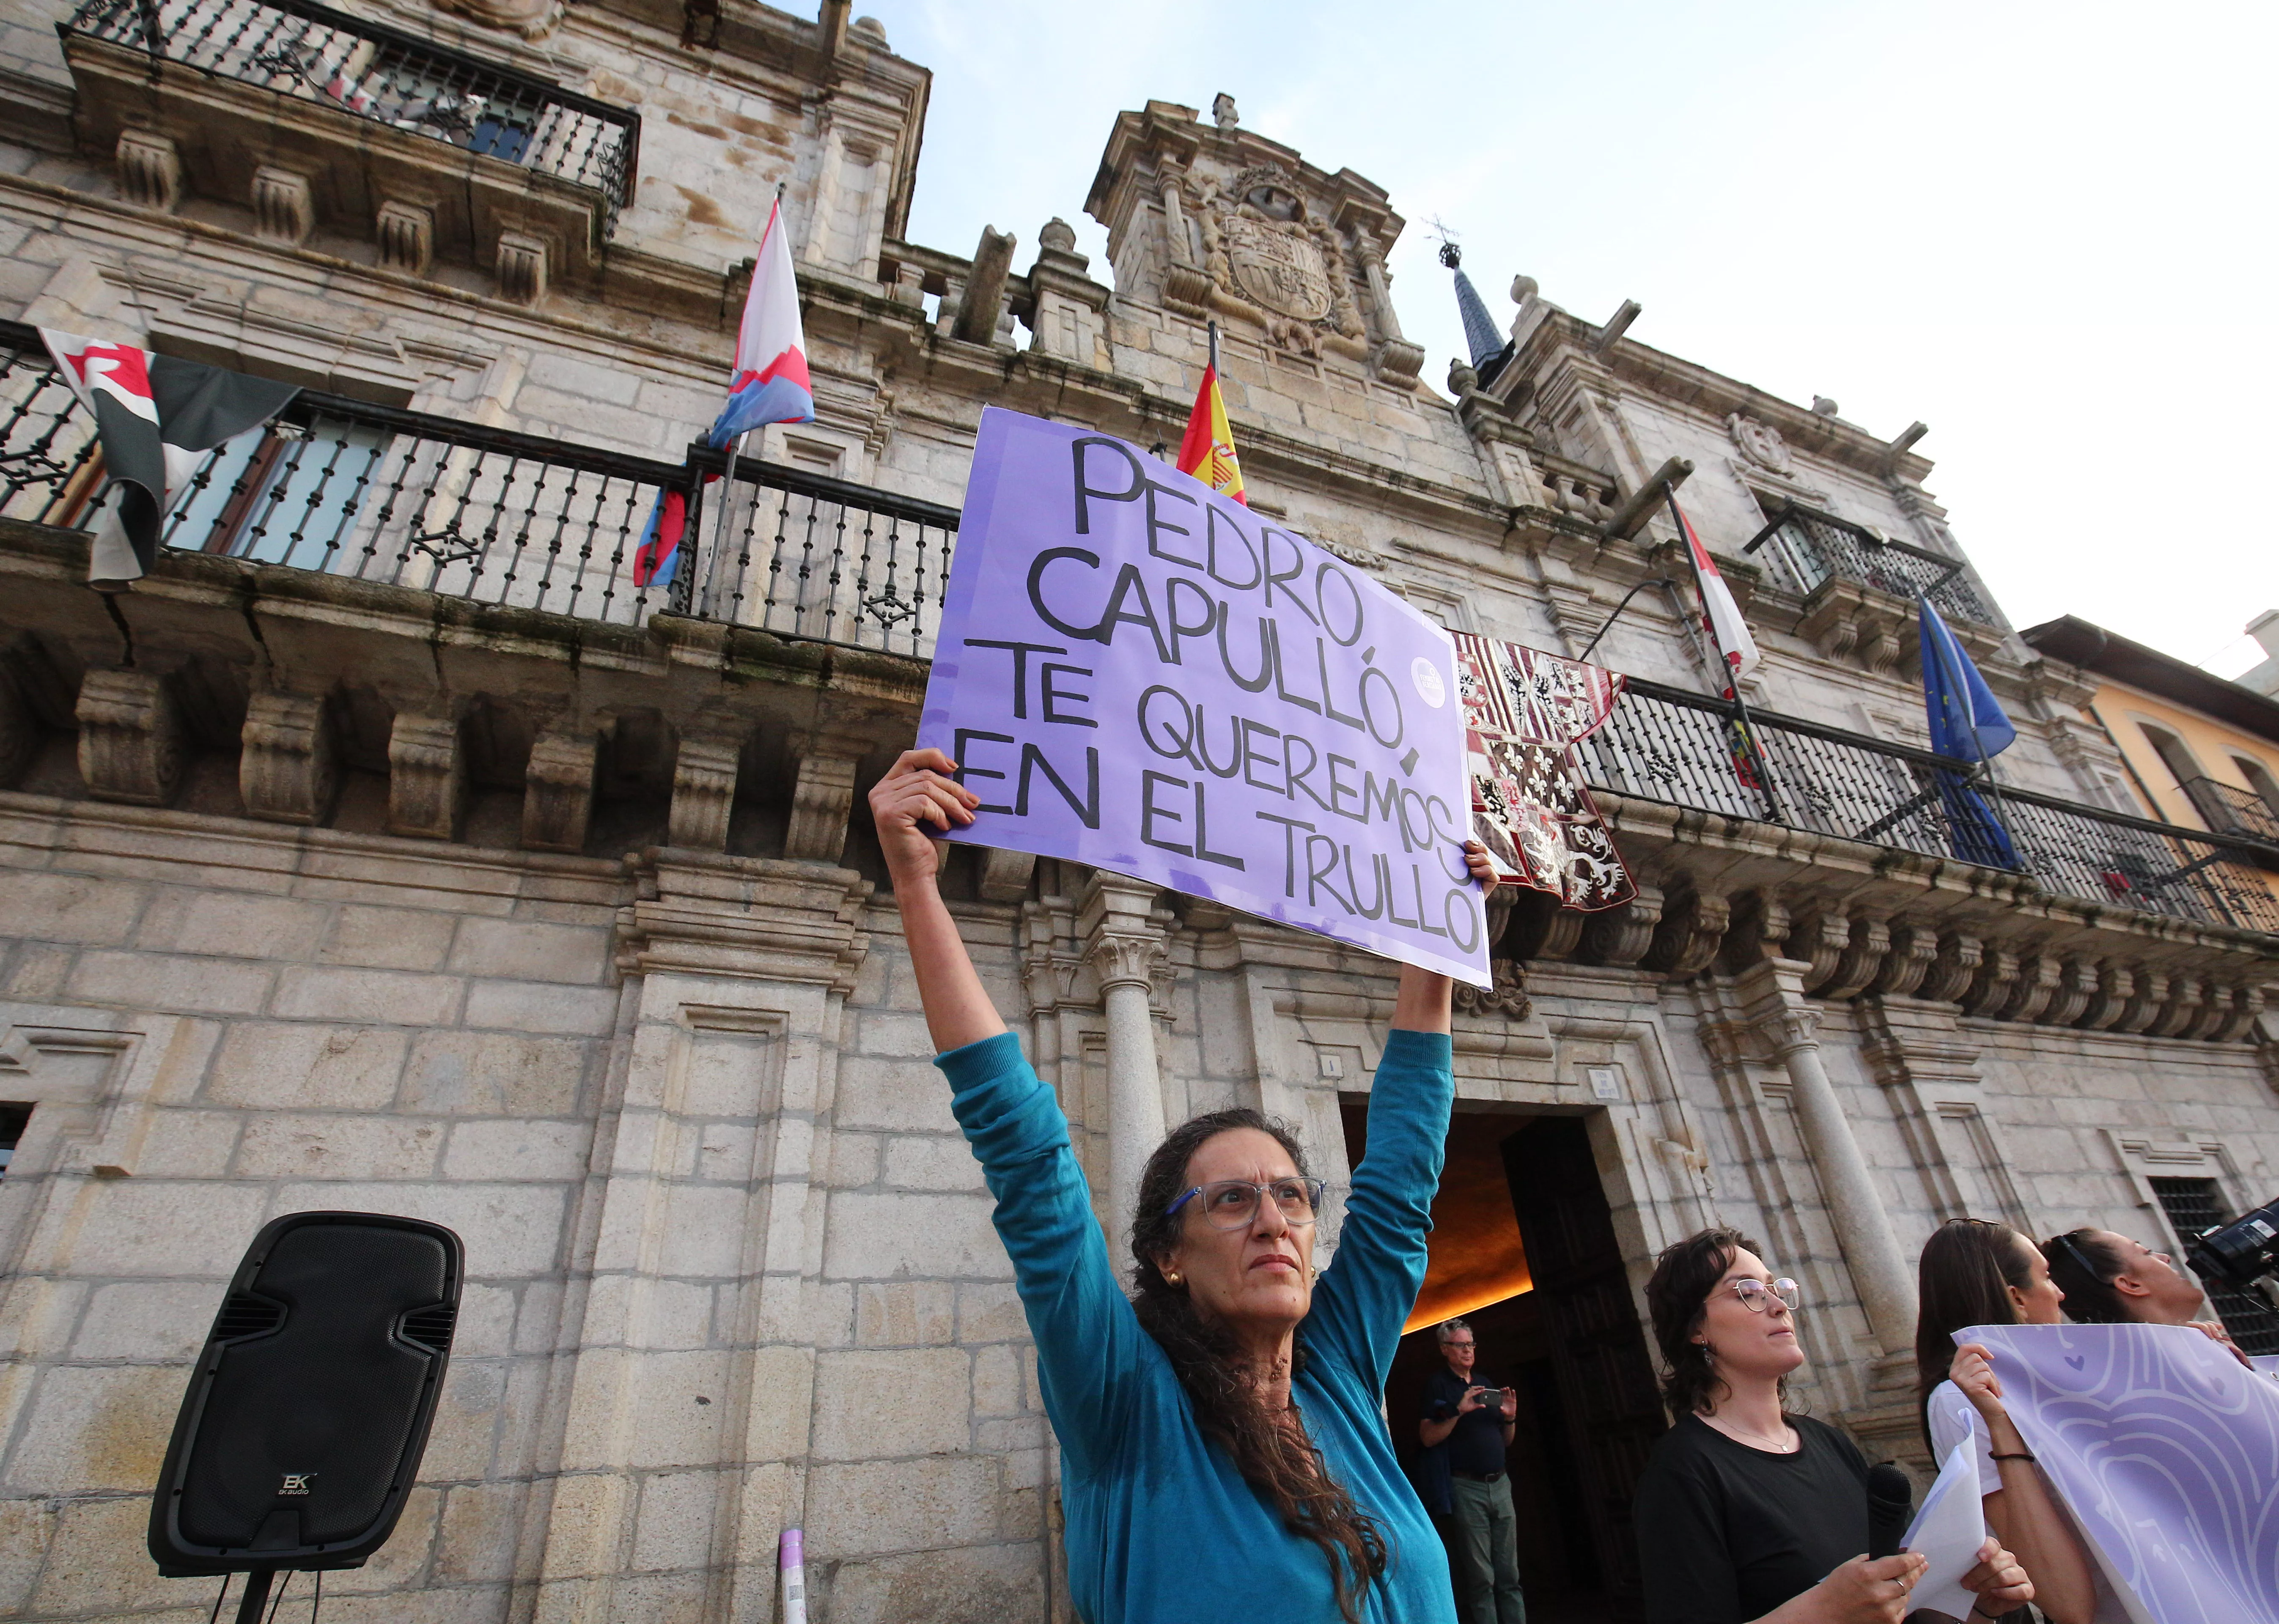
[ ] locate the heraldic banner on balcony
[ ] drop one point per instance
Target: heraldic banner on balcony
(1138, 673)
(2165, 1449)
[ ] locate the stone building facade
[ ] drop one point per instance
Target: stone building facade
(376, 856)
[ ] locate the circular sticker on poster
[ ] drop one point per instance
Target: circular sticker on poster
(1430, 686)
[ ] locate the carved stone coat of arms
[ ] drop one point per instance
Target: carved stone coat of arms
(1280, 266)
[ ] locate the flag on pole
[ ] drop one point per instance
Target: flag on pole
(1719, 613)
(1208, 450)
(770, 383)
(1969, 723)
(657, 558)
(157, 417)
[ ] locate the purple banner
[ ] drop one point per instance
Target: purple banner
(2166, 1450)
(1137, 673)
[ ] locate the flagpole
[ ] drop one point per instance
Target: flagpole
(1740, 717)
(1213, 327)
(736, 447)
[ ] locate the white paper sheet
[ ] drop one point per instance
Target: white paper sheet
(1949, 1529)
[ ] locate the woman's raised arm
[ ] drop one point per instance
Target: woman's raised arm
(919, 794)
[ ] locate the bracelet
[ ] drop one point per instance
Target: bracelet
(2014, 1455)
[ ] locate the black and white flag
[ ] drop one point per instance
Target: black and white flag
(157, 417)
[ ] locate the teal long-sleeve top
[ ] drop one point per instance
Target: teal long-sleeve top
(1161, 1526)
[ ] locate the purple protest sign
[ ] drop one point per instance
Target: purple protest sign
(1137, 673)
(2166, 1450)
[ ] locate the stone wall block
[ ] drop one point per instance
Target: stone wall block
(406, 234)
(521, 267)
(284, 207)
(704, 792)
(1619, 937)
(1005, 875)
(1685, 942)
(2181, 1009)
(2145, 1002)
(2247, 1003)
(1913, 949)
(1990, 989)
(150, 169)
(288, 765)
(2077, 985)
(131, 746)
(558, 794)
(2216, 1012)
(2103, 1006)
(427, 778)
(1857, 966)
(1953, 967)
(2031, 994)
(823, 794)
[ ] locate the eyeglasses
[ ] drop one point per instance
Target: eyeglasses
(1233, 1203)
(1754, 1293)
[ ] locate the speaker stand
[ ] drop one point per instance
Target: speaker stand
(256, 1593)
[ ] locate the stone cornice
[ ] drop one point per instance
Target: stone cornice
(1563, 340)
(707, 913)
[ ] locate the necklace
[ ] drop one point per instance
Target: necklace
(1786, 1444)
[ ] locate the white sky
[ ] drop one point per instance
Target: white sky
(2045, 230)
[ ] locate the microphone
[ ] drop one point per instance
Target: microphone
(1891, 1502)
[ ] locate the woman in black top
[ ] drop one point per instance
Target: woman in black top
(1745, 1512)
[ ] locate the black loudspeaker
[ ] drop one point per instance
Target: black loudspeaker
(308, 1408)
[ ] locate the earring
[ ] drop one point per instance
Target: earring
(1171, 1280)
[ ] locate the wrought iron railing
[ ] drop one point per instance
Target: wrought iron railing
(344, 487)
(1807, 548)
(316, 54)
(1666, 744)
(347, 488)
(2230, 810)
(813, 557)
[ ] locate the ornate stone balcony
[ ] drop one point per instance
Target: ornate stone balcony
(459, 613)
(311, 116)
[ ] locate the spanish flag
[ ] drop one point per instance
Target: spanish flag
(1208, 450)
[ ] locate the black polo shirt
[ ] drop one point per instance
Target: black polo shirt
(1476, 1445)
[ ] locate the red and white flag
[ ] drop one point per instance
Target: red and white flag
(1719, 613)
(157, 417)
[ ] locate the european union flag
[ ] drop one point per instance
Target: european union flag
(1967, 723)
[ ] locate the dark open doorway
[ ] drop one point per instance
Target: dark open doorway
(1523, 1248)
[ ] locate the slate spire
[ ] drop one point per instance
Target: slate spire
(1480, 335)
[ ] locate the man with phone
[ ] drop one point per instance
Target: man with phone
(1473, 1424)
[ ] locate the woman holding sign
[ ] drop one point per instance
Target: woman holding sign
(1978, 1272)
(1747, 1511)
(1222, 1450)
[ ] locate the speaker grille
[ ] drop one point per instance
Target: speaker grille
(431, 1327)
(243, 1314)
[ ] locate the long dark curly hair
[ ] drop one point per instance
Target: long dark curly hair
(1276, 1458)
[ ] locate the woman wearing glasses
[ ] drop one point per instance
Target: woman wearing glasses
(1223, 1450)
(1747, 1511)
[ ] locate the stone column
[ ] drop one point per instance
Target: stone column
(1774, 992)
(1125, 948)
